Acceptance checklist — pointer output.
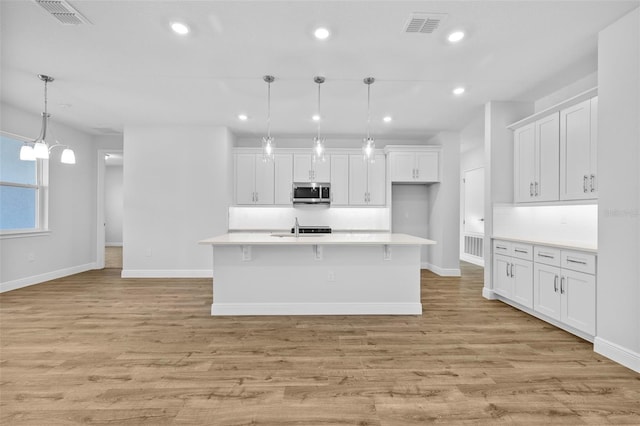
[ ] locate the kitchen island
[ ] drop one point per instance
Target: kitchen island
(316, 274)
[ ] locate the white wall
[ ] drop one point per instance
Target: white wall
(618, 290)
(70, 247)
(410, 212)
(113, 205)
(444, 206)
(582, 85)
(177, 191)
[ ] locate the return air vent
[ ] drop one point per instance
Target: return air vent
(424, 23)
(63, 12)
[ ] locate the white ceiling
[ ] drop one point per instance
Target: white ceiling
(128, 68)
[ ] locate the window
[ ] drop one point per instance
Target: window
(23, 189)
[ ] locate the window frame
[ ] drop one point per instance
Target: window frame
(42, 196)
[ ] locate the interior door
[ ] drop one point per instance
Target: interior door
(474, 201)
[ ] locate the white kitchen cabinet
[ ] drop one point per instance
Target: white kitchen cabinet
(536, 160)
(367, 181)
(283, 179)
(422, 165)
(254, 180)
(565, 287)
(513, 275)
(305, 169)
(578, 145)
(339, 179)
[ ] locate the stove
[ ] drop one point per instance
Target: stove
(312, 230)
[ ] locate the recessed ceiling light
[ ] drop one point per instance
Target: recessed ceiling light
(179, 28)
(316, 117)
(387, 119)
(321, 33)
(458, 91)
(455, 36)
(243, 117)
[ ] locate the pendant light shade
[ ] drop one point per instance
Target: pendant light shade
(39, 148)
(318, 142)
(268, 142)
(368, 143)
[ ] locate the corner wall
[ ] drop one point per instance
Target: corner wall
(177, 191)
(70, 246)
(618, 290)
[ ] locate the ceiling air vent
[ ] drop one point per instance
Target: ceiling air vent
(63, 12)
(424, 23)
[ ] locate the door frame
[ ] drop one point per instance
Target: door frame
(100, 204)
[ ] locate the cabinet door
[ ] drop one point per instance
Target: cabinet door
(546, 290)
(502, 282)
(302, 168)
(403, 166)
(575, 152)
(264, 175)
(283, 179)
(579, 301)
(321, 170)
(522, 282)
(427, 167)
(546, 185)
(524, 163)
(245, 179)
(377, 181)
(357, 180)
(339, 180)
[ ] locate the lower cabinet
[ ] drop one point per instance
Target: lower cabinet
(558, 284)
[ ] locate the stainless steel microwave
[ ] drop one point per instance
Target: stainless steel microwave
(311, 193)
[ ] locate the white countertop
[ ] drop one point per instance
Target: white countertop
(337, 238)
(568, 245)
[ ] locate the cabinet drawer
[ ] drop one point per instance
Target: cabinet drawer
(522, 251)
(578, 261)
(546, 255)
(502, 247)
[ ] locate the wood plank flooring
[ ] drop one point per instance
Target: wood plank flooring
(97, 349)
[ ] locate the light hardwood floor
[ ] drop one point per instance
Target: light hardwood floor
(97, 349)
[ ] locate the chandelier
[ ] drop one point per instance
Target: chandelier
(268, 143)
(318, 142)
(368, 143)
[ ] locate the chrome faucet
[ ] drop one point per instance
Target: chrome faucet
(297, 228)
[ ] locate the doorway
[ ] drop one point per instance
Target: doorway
(473, 216)
(109, 239)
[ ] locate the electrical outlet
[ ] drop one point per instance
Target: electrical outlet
(331, 276)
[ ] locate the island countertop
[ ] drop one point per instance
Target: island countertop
(337, 238)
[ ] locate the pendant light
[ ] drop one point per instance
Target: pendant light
(268, 143)
(368, 143)
(318, 142)
(39, 148)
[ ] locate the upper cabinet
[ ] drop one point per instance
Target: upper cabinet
(339, 180)
(536, 160)
(254, 180)
(367, 181)
(283, 179)
(305, 169)
(555, 152)
(414, 164)
(578, 144)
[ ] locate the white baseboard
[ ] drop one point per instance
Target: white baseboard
(487, 293)
(48, 276)
(167, 273)
(478, 261)
(617, 353)
(228, 309)
(113, 244)
(443, 272)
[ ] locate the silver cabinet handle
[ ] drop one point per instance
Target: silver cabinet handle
(417, 173)
(584, 183)
(507, 269)
(592, 183)
(537, 189)
(555, 284)
(257, 197)
(531, 189)
(576, 261)
(512, 274)
(562, 285)
(501, 248)
(546, 255)
(521, 251)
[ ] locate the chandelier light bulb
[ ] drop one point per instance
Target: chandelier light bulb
(27, 153)
(68, 156)
(41, 150)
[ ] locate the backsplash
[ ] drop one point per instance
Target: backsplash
(282, 218)
(571, 224)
